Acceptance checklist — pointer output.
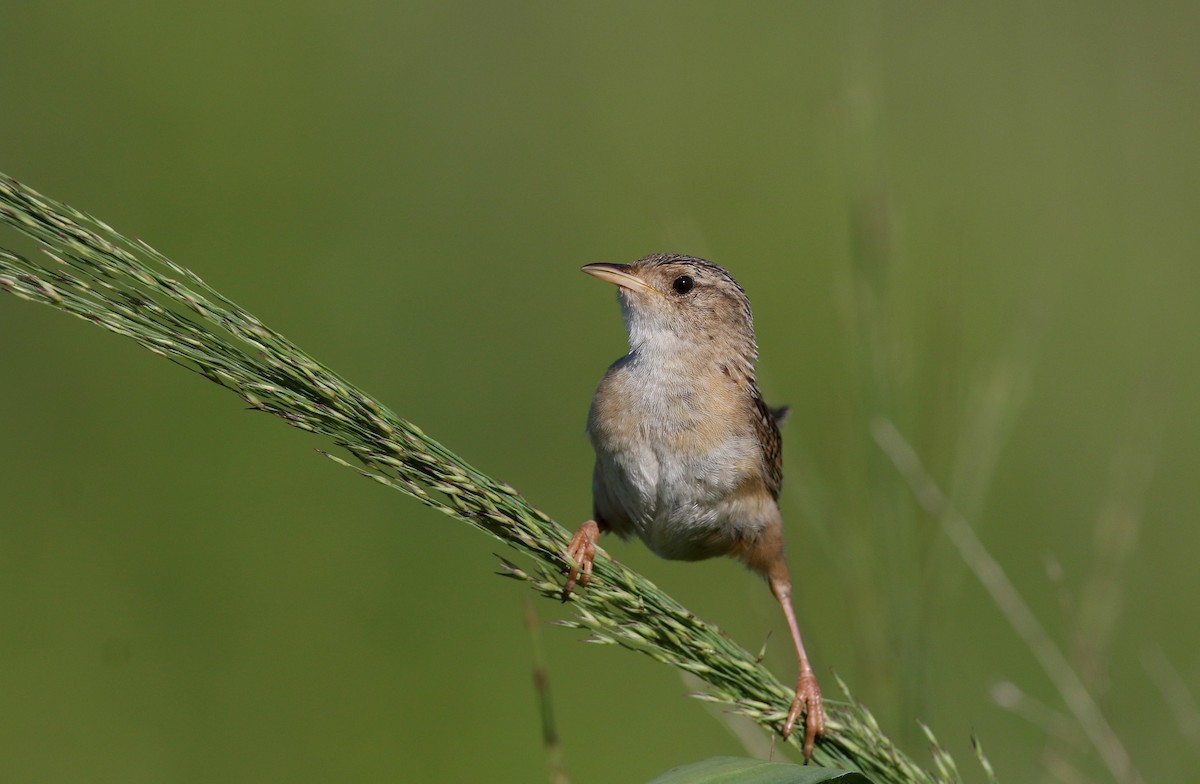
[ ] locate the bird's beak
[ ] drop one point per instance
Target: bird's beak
(620, 275)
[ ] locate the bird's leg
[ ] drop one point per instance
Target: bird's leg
(581, 552)
(808, 694)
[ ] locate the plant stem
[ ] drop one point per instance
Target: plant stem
(127, 287)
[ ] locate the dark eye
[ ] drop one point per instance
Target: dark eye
(683, 284)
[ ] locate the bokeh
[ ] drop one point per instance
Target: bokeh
(975, 224)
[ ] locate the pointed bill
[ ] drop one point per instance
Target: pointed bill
(620, 275)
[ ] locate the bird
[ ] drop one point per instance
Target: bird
(688, 455)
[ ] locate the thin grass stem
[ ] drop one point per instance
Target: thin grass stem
(1010, 602)
(127, 287)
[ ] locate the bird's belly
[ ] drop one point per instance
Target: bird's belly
(684, 507)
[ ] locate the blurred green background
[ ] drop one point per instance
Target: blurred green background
(979, 223)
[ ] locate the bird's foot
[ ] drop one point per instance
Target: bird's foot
(581, 552)
(807, 701)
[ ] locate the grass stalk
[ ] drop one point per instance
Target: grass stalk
(991, 575)
(93, 272)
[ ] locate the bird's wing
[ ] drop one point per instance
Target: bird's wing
(766, 425)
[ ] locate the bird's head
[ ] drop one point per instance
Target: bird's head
(673, 302)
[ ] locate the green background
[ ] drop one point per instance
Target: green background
(979, 223)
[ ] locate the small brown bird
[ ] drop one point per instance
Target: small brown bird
(688, 455)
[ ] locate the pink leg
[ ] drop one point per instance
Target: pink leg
(808, 694)
(581, 552)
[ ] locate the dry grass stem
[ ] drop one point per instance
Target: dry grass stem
(1066, 680)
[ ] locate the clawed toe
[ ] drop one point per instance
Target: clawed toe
(807, 701)
(581, 552)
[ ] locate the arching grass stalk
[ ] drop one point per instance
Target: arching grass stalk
(125, 286)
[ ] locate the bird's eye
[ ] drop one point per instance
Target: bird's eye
(683, 284)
